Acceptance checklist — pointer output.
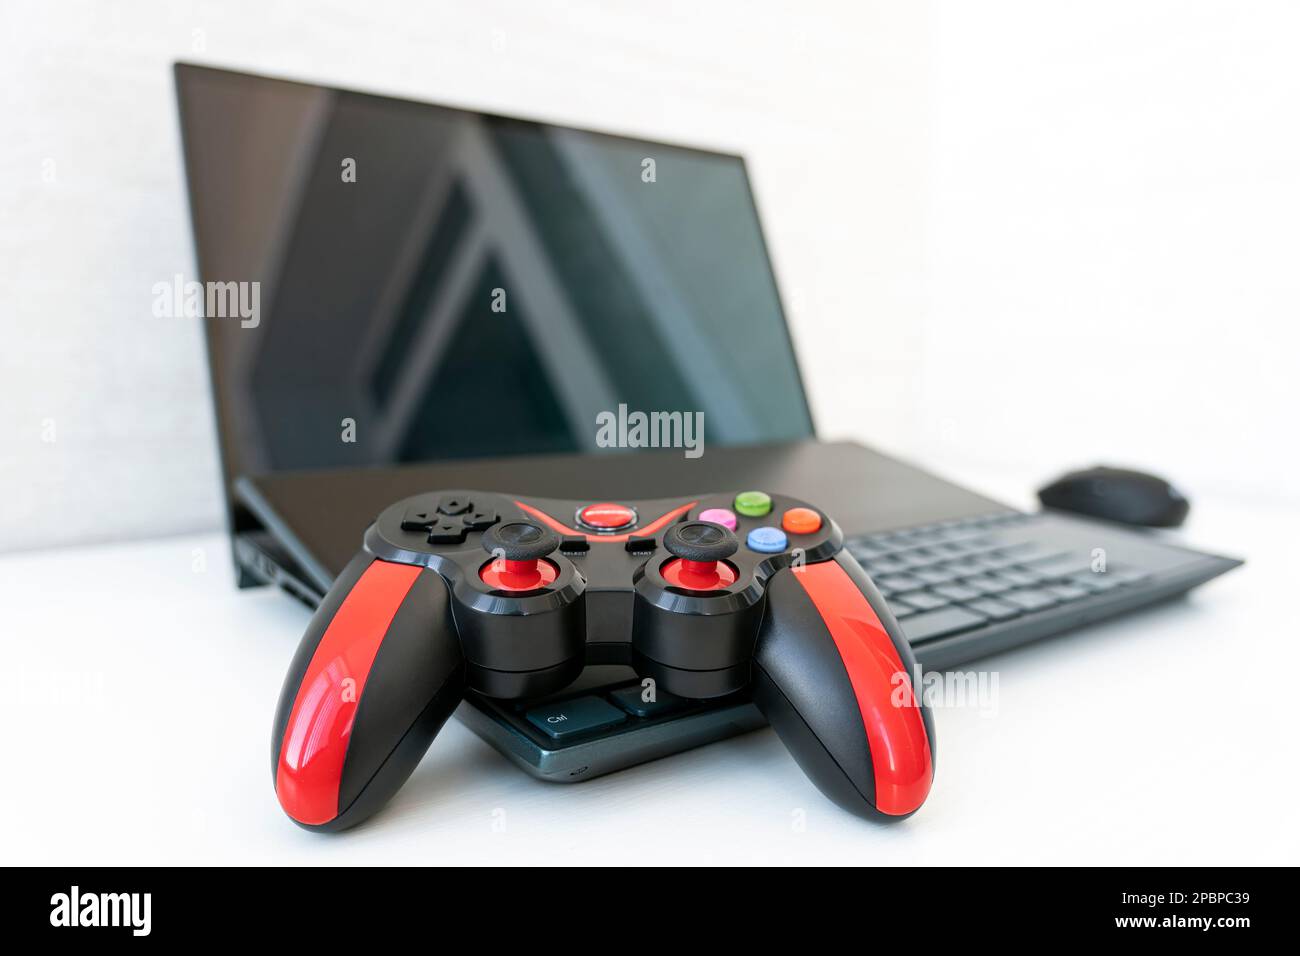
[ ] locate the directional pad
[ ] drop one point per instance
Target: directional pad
(448, 531)
(450, 522)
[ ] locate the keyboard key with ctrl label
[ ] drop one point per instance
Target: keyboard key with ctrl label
(569, 718)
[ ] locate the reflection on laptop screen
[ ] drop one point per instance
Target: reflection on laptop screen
(457, 284)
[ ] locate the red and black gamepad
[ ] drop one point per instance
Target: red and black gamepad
(511, 597)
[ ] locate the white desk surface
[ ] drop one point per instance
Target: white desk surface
(140, 686)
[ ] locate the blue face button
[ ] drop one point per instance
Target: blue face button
(766, 540)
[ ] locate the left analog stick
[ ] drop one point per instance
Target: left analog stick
(519, 548)
(520, 541)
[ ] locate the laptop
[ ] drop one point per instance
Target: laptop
(401, 297)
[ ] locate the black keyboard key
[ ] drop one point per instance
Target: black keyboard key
(897, 583)
(980, 564)
(955, 592)
(864, 550)
(909, 561)
(1095, 581)
(571, 718)
(967, 548)
(1062, 565)
(988, 585)
(936, 575)
(899, 609)
(947, 529)
(893, 539)
(958, 548)
(963, 568)
(921, 600)
(1019, 577)
(997, 561)
(1021, 551)
(1066, 592)
(947, 620)
(1087, 582)
(1046, 557)
(633, 700)
(887, 565)
(998, 610)
(927, 555)
(1126, 576)
(1028, 599)
(934, 559)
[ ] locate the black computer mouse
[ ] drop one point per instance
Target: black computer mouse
(1117, 494)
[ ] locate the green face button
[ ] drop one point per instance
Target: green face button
(753, 504)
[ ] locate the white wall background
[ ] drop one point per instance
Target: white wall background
(1012, 236)
(1114, 233)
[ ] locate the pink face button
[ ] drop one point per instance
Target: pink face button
(719, 516)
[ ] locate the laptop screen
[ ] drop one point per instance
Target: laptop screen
(386, 281)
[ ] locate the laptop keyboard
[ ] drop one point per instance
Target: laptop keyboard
(954, 576)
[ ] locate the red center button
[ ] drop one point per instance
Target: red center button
(607, 516)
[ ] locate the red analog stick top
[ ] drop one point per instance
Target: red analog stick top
(698, 575)
(504, 575)
(700, 548)
(519, 547)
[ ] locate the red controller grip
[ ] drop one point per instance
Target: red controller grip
(375, 677)
(315, 742)
(833, 675)
(900, 744)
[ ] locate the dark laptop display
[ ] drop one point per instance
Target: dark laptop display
(438, 284)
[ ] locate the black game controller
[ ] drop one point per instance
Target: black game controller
(512, 597)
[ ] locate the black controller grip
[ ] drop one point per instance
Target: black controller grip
(378, 673)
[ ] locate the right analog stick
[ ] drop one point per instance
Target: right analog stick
(700, 549)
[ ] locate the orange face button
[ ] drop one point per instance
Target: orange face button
(801, 521)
